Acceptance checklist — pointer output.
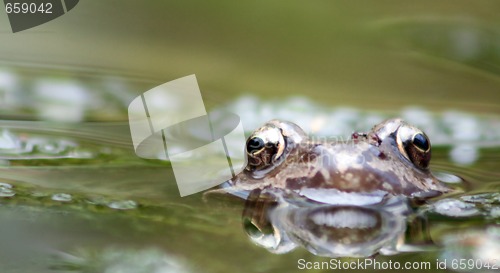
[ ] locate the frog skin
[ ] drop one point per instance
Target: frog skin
(391, 159)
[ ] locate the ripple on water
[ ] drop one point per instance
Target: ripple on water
(123, 205)
(54, 147)
(6, 190)
(495, 212)
(9, 143)
(455, 208)
(38, 194)
(482, 198)
(62, 197)
(115, 260)
(447, 177)
(28, 146)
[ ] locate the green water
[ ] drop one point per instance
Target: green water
(79, 200)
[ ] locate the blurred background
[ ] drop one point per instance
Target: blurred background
(69, 172)
(384, 55)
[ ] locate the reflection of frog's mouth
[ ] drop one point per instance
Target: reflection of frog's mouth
(345, 218)
(345, 225)
(278, 224)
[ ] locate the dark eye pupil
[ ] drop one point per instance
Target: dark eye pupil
(421, 142)
(255, 144)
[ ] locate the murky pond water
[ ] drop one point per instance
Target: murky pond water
(74, 197)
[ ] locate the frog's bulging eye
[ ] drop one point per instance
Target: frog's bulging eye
(254, 145)
(265, 147)
(414, 145)
(421, 142)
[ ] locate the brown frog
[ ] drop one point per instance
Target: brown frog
(391, 159)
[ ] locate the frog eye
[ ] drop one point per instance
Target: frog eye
(264, 147)
(421, 142)
(255, 145)
(414, 145)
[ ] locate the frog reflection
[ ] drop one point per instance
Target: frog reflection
(281, 224)
(391, 159)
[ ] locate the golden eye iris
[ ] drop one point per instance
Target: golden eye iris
(414, 145)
